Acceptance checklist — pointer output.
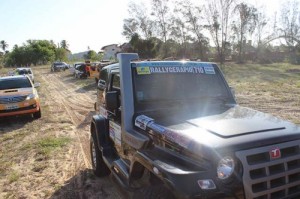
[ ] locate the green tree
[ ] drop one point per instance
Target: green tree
(32, 52)
(61, 54)
(130, 27)
(146, 48)
(42, 51)
(3, 45)
(92, 55)
(64, 44)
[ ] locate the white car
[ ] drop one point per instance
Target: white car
(73, 67)
(25, 71)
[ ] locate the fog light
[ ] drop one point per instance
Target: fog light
(206, 184)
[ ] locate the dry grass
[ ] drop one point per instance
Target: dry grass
(28, 147)
(273, 88)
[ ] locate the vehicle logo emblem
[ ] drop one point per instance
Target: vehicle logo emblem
(275, 153)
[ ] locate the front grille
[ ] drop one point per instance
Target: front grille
(19, 109)
(266, 178)
(8, 100)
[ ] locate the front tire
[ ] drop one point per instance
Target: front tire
(37, 115)
(99, 167)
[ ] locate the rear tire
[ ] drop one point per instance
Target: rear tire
(37, 115)
(100, 169)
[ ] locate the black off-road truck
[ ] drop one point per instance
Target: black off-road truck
(172, 129)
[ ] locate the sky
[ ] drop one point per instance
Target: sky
(82, 23)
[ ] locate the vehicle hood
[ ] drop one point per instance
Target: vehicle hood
(16, 92)
(233, 128)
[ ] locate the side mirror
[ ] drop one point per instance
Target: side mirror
(111, 100)
(101, 85)
(232, 91)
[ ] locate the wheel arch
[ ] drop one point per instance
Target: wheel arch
(137, 171)
(99, 129)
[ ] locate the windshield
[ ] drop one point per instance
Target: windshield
(24, 72)
(14, 83)
(159, 84)
(59, 64)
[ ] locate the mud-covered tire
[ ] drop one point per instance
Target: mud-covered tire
(100, 169)
(37, 115)
(154, 192)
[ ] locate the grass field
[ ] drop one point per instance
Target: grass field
(273, 88)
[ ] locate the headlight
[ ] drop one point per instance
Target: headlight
(31, 96)
(225, 168)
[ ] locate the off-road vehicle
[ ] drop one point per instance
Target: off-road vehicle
(173, 129)
(18, 96)
(59, 66)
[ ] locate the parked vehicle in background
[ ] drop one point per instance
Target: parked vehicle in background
(173, 129)
(73, 67)
(101, 65)
(18, 96)
(25, 71)
(80, 71)
(58, 66)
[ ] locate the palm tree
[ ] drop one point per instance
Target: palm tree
(3, 45)
(64, 44)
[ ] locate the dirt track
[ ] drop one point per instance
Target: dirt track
(67, 108)
(28, 170)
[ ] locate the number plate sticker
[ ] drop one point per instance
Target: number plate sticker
(11, 107)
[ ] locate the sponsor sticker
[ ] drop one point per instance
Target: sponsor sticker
(174, 67)
(141, 121)
(143, 70)
(177, 138)
(115, 132)
(209, 70)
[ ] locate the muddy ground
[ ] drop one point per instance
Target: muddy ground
(49, 157)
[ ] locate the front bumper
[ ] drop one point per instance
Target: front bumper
(181, 175)
(25, 107)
